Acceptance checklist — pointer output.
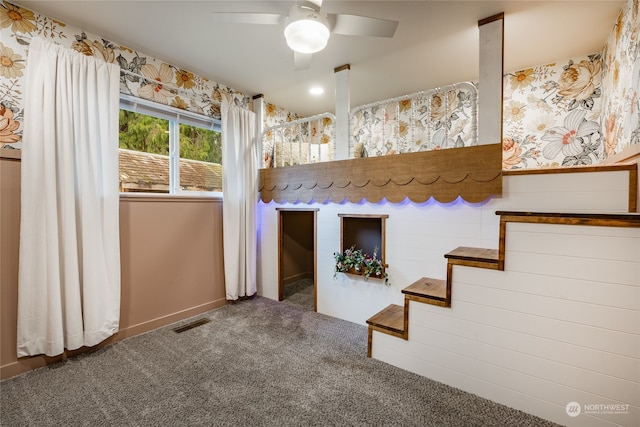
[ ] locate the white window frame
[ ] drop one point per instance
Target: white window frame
(176, 117)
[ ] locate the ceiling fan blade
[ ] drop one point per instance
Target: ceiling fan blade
(301, 61)
(314, 4)
(355, 25)
(248, 18)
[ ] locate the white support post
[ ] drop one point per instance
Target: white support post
(174, 156)
(490, 83)
(258, 108)
(343, 107)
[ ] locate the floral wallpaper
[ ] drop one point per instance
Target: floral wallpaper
(621, 82)
(580, 111)
(141, 76)
(274, 115)
(551, 115)
(314, 136)
(316, 132)
(435, 120)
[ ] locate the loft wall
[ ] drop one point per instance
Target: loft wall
(171, 263)
(419, 234)
(503, 329)
(513, 348)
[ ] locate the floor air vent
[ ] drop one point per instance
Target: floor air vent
(191, 325)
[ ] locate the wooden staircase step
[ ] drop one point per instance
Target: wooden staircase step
(390, 320)
(429, 291)
(475, 257)
(394, 319)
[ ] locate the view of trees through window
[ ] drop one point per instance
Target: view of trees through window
(144, 133)
(200, 144)
(144, 155)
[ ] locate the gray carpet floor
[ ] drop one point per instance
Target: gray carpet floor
(257, 362)
(300, 293)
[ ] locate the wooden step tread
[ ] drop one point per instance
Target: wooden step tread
(390, 319)
(428, 288)
(479, 255)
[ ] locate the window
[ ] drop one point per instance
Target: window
(168, 150)
(365, 232)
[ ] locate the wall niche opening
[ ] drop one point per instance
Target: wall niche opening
(366, 232)
(297, 256)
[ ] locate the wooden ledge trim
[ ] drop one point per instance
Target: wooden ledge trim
(567, 218)
(496, 17)
(471, 173)
(10, 153)
(354, 215)
(572, 169)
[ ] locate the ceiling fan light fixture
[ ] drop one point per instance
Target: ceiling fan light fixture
(316, 90)
(307, 33)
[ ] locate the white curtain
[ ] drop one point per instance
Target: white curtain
(240, 189)
(69, 274)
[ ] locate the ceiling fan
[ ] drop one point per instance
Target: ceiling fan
(307, 29)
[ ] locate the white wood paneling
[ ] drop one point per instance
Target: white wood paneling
(568, 192)
(607, 271)
(615, 388)
(616, 342)
(582, 243)
(267, 268)
(603, 293)
(519, 390)
(615, 319)
(583, 357)
(521, 329)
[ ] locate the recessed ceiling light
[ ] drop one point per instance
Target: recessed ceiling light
(316, 90)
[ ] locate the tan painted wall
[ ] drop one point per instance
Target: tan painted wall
(172, 263)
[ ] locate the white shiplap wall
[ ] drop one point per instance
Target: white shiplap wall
(549, 330)
(560, 324)
(585, 192)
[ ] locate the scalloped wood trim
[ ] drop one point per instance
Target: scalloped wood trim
(472, 173)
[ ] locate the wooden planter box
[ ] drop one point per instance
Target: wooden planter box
(354, 272)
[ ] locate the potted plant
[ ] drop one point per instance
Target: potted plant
(355, 261)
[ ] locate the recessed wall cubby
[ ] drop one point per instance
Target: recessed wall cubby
(366, 232)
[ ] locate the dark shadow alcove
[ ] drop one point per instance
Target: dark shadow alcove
(297, 256)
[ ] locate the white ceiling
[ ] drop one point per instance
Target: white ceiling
(436, 42)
